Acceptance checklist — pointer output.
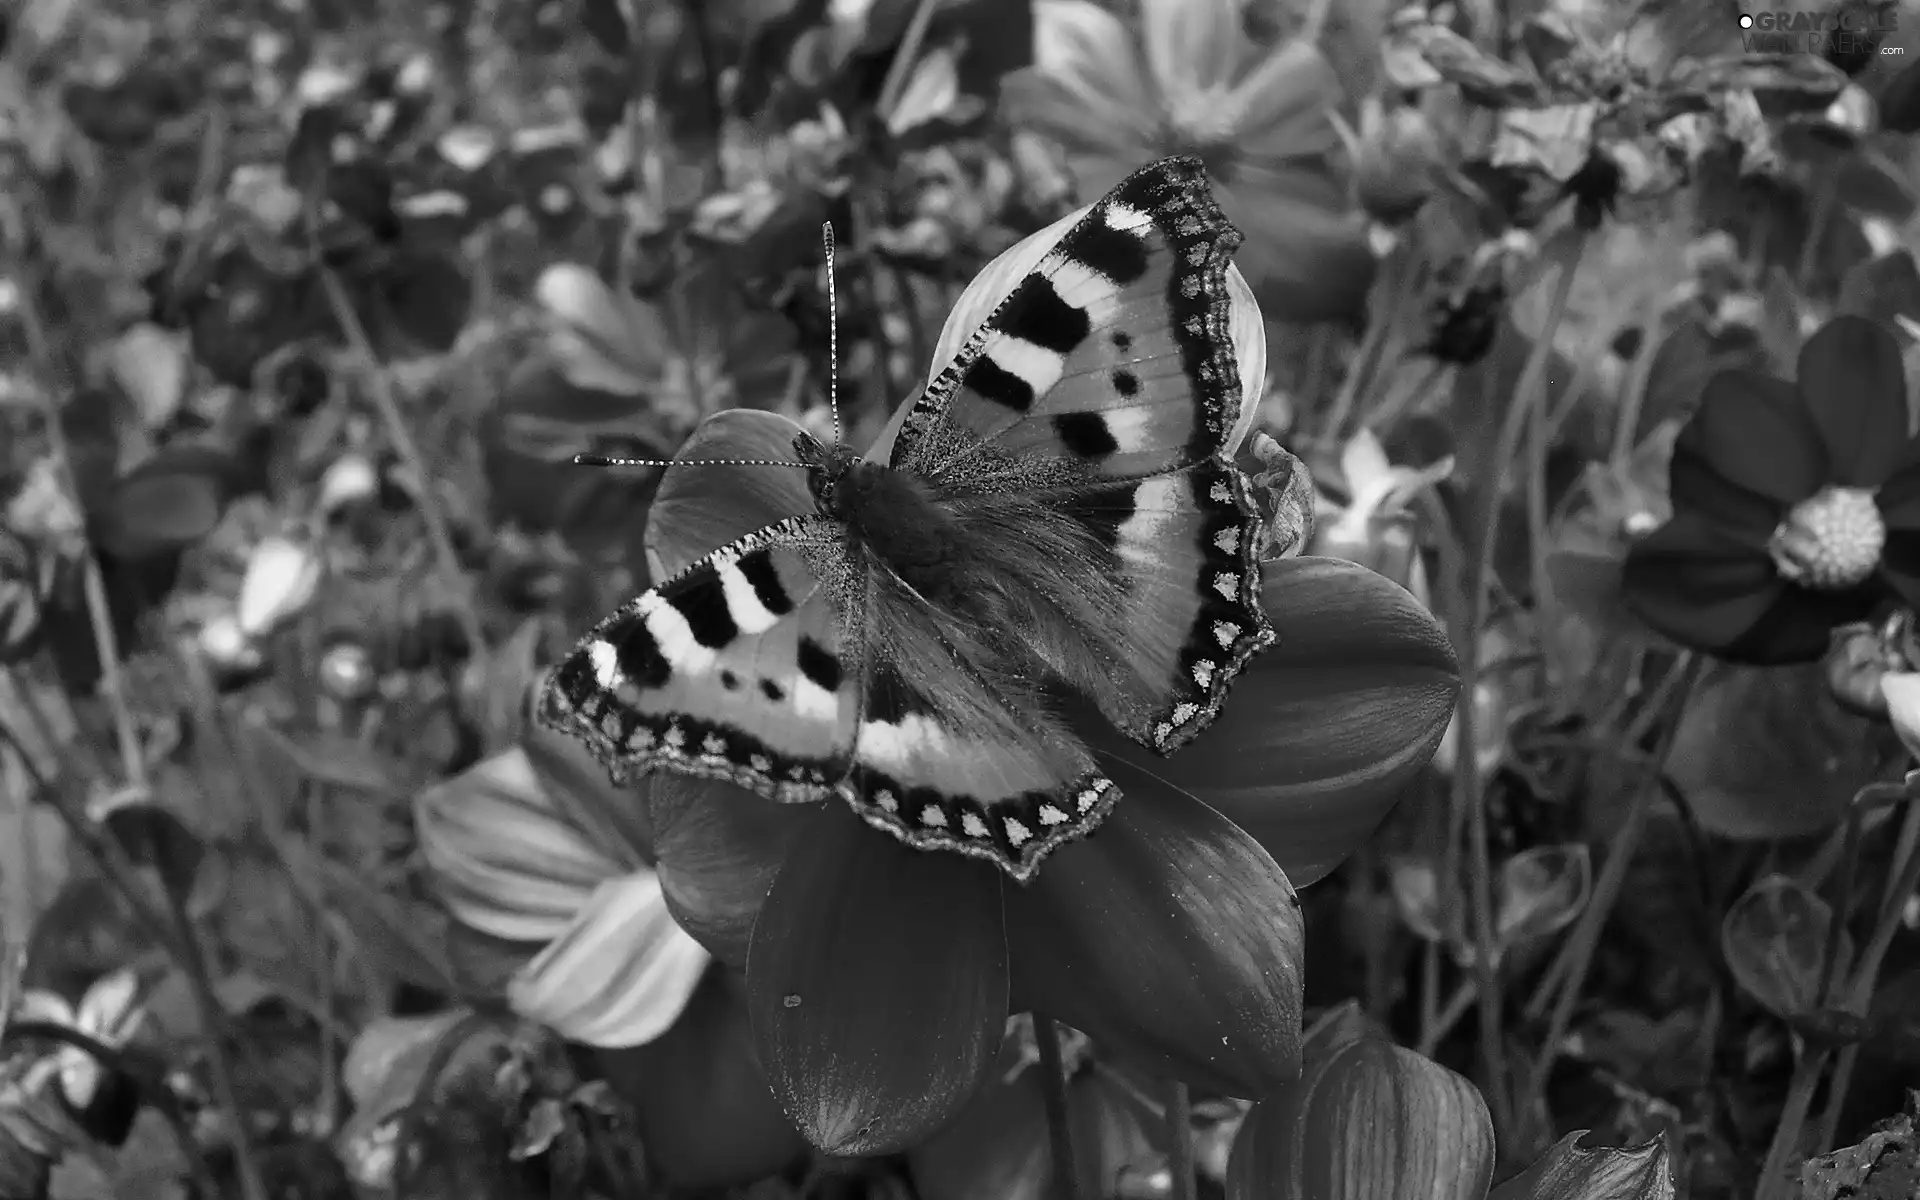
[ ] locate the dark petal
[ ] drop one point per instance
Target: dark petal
(706, 1115)
(1796, 626)
(1852, 381)
(1168, 934)
(1694, 582)
(1306, 256)
(700, 509)
(1751, 442)
(877, 985)
(719, 848)
(1899, 496)
(1324, 730)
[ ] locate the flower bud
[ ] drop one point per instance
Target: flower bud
(1855, 663)
(349, 481)
(346, 672)
(1394, 158)
(282, 578)
(227, 647)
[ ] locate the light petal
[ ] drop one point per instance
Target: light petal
(601, 339)
(997, 280)
(877, 985)
(1326, 729)
(1366, 469)
(1087, 87)
(702, 1104)
(621, 973)
(697, 510)
(1373, 1121)
(1854, 385)
(1279, 112)
(1192, 47)
(1170, 935)
(720, 847)
(504, 859)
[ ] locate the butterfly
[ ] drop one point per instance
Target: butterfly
(1058, 527)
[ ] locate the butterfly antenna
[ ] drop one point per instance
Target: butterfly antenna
(602, 460)
(833, 335)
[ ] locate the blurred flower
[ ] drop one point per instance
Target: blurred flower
(1902, 692)
(349, 481)
(282, 578)
(110, 1012)
(1375, 526)
(1171, 935)
(1191, 82)
(1796, 505)
(534, 851)
(346, 672)
(1395, 154)
(227, 648)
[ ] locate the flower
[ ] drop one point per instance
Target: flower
(879, 978)
(1374, 527)
(1372, 1119)
(1191, 82)
(111, 1012)
(1796, 506)
(533, 851)
(282, 578)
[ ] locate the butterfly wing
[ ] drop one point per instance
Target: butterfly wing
(1106, 386)
(741, 667)
(948, 759)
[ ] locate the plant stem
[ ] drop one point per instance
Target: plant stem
(439, 534)
(1180, 1142)
(1775, 1183)
(901, 68)
(1053, 1093)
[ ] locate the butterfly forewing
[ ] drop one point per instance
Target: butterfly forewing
(1112, 354)
(738, 668)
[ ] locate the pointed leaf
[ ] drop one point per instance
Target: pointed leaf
(1774, 938)
(1570, 1171)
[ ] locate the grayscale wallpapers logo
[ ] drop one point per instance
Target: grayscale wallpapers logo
(1851, 33)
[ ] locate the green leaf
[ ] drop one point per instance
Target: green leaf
(1774, 938)
(1570, 1171)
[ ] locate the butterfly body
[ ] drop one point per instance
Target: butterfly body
(1057, 534)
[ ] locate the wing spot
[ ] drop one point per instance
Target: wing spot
(1087, 799)
(819, 665)
(729, 681)
(640, 739)
(1221, 493)
(606, 664)
(1227, 584)
(1126, 382)
(1018, 834)
(887, 801)
(714, 744)
(1051, 816)
(932, 817)
(1224, 632)
(973, 826)
(1182, 713)
(1203, 672)
(1085, 434)
(760, 763)
(993, 382)
(675, 737)
(1037, 313)
(1116, 252)
(1228, 540)
(1122, 340)
(772, 690)
(703, 604)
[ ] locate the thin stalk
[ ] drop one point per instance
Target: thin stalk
(1904, 878)
(1775, 1183)
(439, 534)
(1053, 1093)
(1395, 274)
(901, 68)
(1180, 1142)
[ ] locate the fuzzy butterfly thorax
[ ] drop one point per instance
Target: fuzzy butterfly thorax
(1058, 534)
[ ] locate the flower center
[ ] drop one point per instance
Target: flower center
(1831, 540)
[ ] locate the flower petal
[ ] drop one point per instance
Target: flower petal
(1571, 1171)
(1306, 253)
(1371, 1122)
(1171, 935)
(1087, 87)
(720, 847)
(877, 985)
(1326, 729)
(620, 975)
(582, 794)
(504, 858)
(1191, 47)
(1694, 582)
(699, 509)
(1279, 111)
(704, 1110)
(1798, 625)
(1853, 383)
(1751, 441)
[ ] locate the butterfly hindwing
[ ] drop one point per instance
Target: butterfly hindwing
(742, 667)
(1112, 355)
(946, 760)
